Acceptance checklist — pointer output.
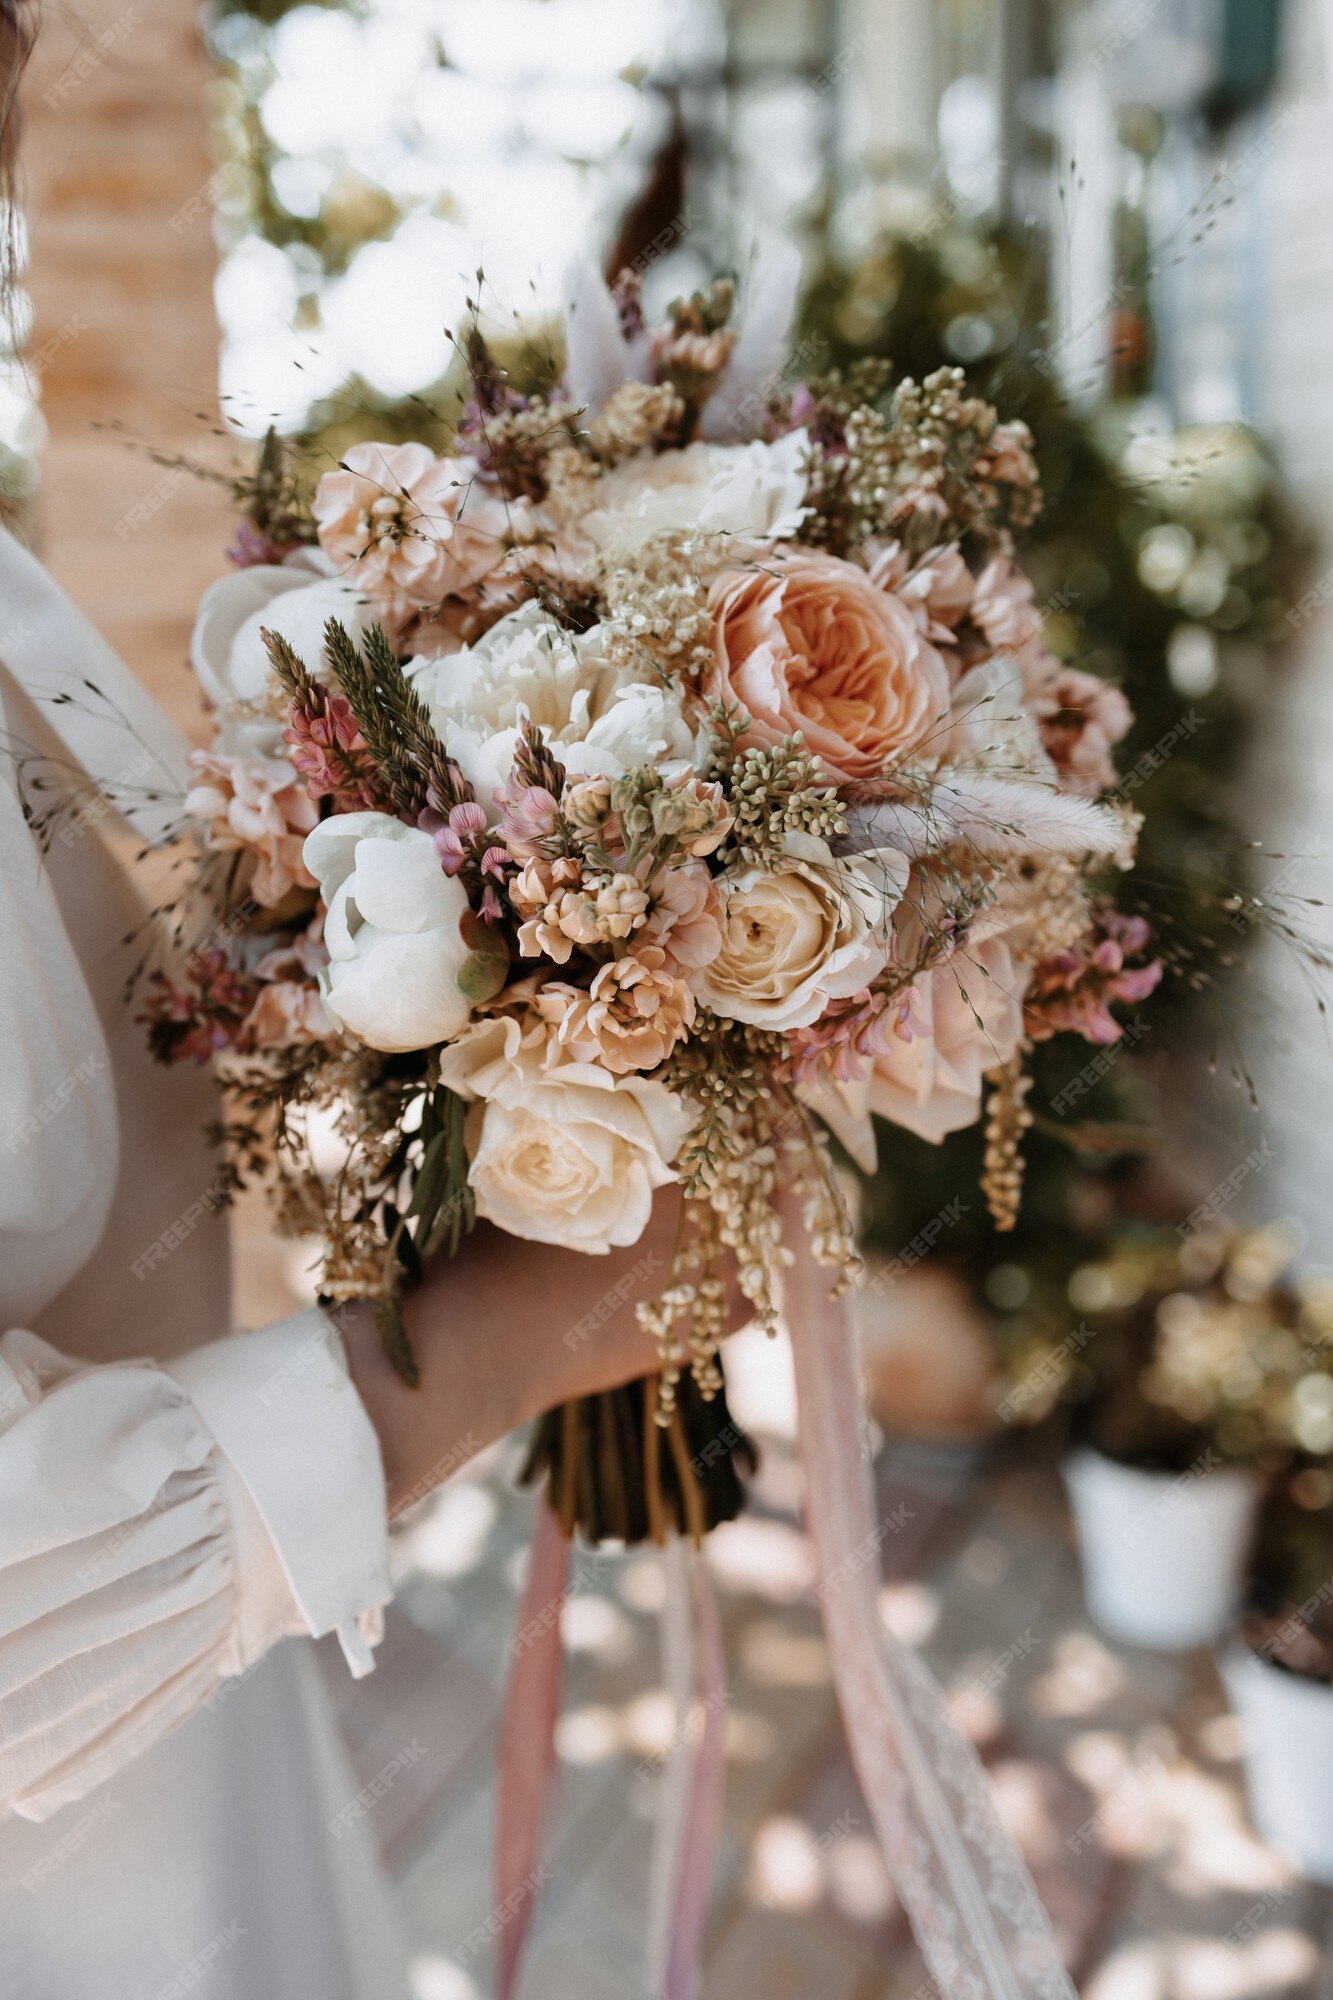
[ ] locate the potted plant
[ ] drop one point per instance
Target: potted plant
(1186, 1385)
(1279, 1671)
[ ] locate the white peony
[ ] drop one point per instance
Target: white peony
(597, 723)
(561, 1152)
(392, 932)
(796, 939)
(230, 658)
(755, 491)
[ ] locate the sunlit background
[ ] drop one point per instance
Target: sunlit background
(1118, 217)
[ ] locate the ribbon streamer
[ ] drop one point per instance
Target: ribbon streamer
(671, 1816)
(972, 1904)
(703, 1823)
(966, 1889)
(527, 1746)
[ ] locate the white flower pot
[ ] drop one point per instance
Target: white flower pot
(1288, 1724)
(1163, 1553)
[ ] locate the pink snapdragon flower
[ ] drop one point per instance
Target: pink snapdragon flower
(852, 1035)
(1073, 991)
(330, 752)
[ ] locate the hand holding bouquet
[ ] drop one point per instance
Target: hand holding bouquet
(672, 775)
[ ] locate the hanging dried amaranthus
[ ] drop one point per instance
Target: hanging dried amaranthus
(1008, 1119)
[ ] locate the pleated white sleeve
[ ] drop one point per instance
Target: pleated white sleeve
(161, 1528)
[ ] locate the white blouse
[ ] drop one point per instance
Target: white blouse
(171, 1502)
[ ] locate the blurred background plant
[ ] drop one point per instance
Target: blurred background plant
(1189, 1341)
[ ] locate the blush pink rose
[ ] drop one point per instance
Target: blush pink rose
(810, 643)
(967, 1018)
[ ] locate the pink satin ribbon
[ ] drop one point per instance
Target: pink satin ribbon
(963, 1883)
(965, 1887)
(703, 1822)
(527, 1746)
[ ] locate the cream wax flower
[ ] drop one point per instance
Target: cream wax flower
(392, 932)
(810, 643)
(753, 491)
(561, 1152)
(598, 723)
(796, 939)
(408, 528)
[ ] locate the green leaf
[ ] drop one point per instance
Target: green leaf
(393, 1337)
(432, 1179)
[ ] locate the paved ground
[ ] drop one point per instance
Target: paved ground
(1119, 1770)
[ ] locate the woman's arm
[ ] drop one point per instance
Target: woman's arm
(161, 1527)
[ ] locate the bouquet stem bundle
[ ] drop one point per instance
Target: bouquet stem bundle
(613, 1473)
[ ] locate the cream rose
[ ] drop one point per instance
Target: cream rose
(392, 932)
(597, 722)
(792, 941)
(561, 1152)
(810, 643)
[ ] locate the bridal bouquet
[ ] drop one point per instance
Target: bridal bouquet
(667, 777)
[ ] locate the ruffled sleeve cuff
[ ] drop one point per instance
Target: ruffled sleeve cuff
(301, 1469)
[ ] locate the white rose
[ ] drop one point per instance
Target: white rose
(756, 491)
(231, 659)
(793, 941)
(597, 723)
(561, 1153)
(392, 932)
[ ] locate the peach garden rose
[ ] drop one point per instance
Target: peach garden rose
(811, 643)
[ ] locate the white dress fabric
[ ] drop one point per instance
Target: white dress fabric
(173, 1500)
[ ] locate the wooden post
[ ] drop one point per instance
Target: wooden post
(117, 175)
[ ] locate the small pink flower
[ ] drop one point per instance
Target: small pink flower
(329, 751)
(412, 529)
(937, 588)
(687, 917)
(528, 817)
(852, 1035)
(200, 1015)
(250, 547)
(453, 833)
(255, 805)
(1073, 991)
